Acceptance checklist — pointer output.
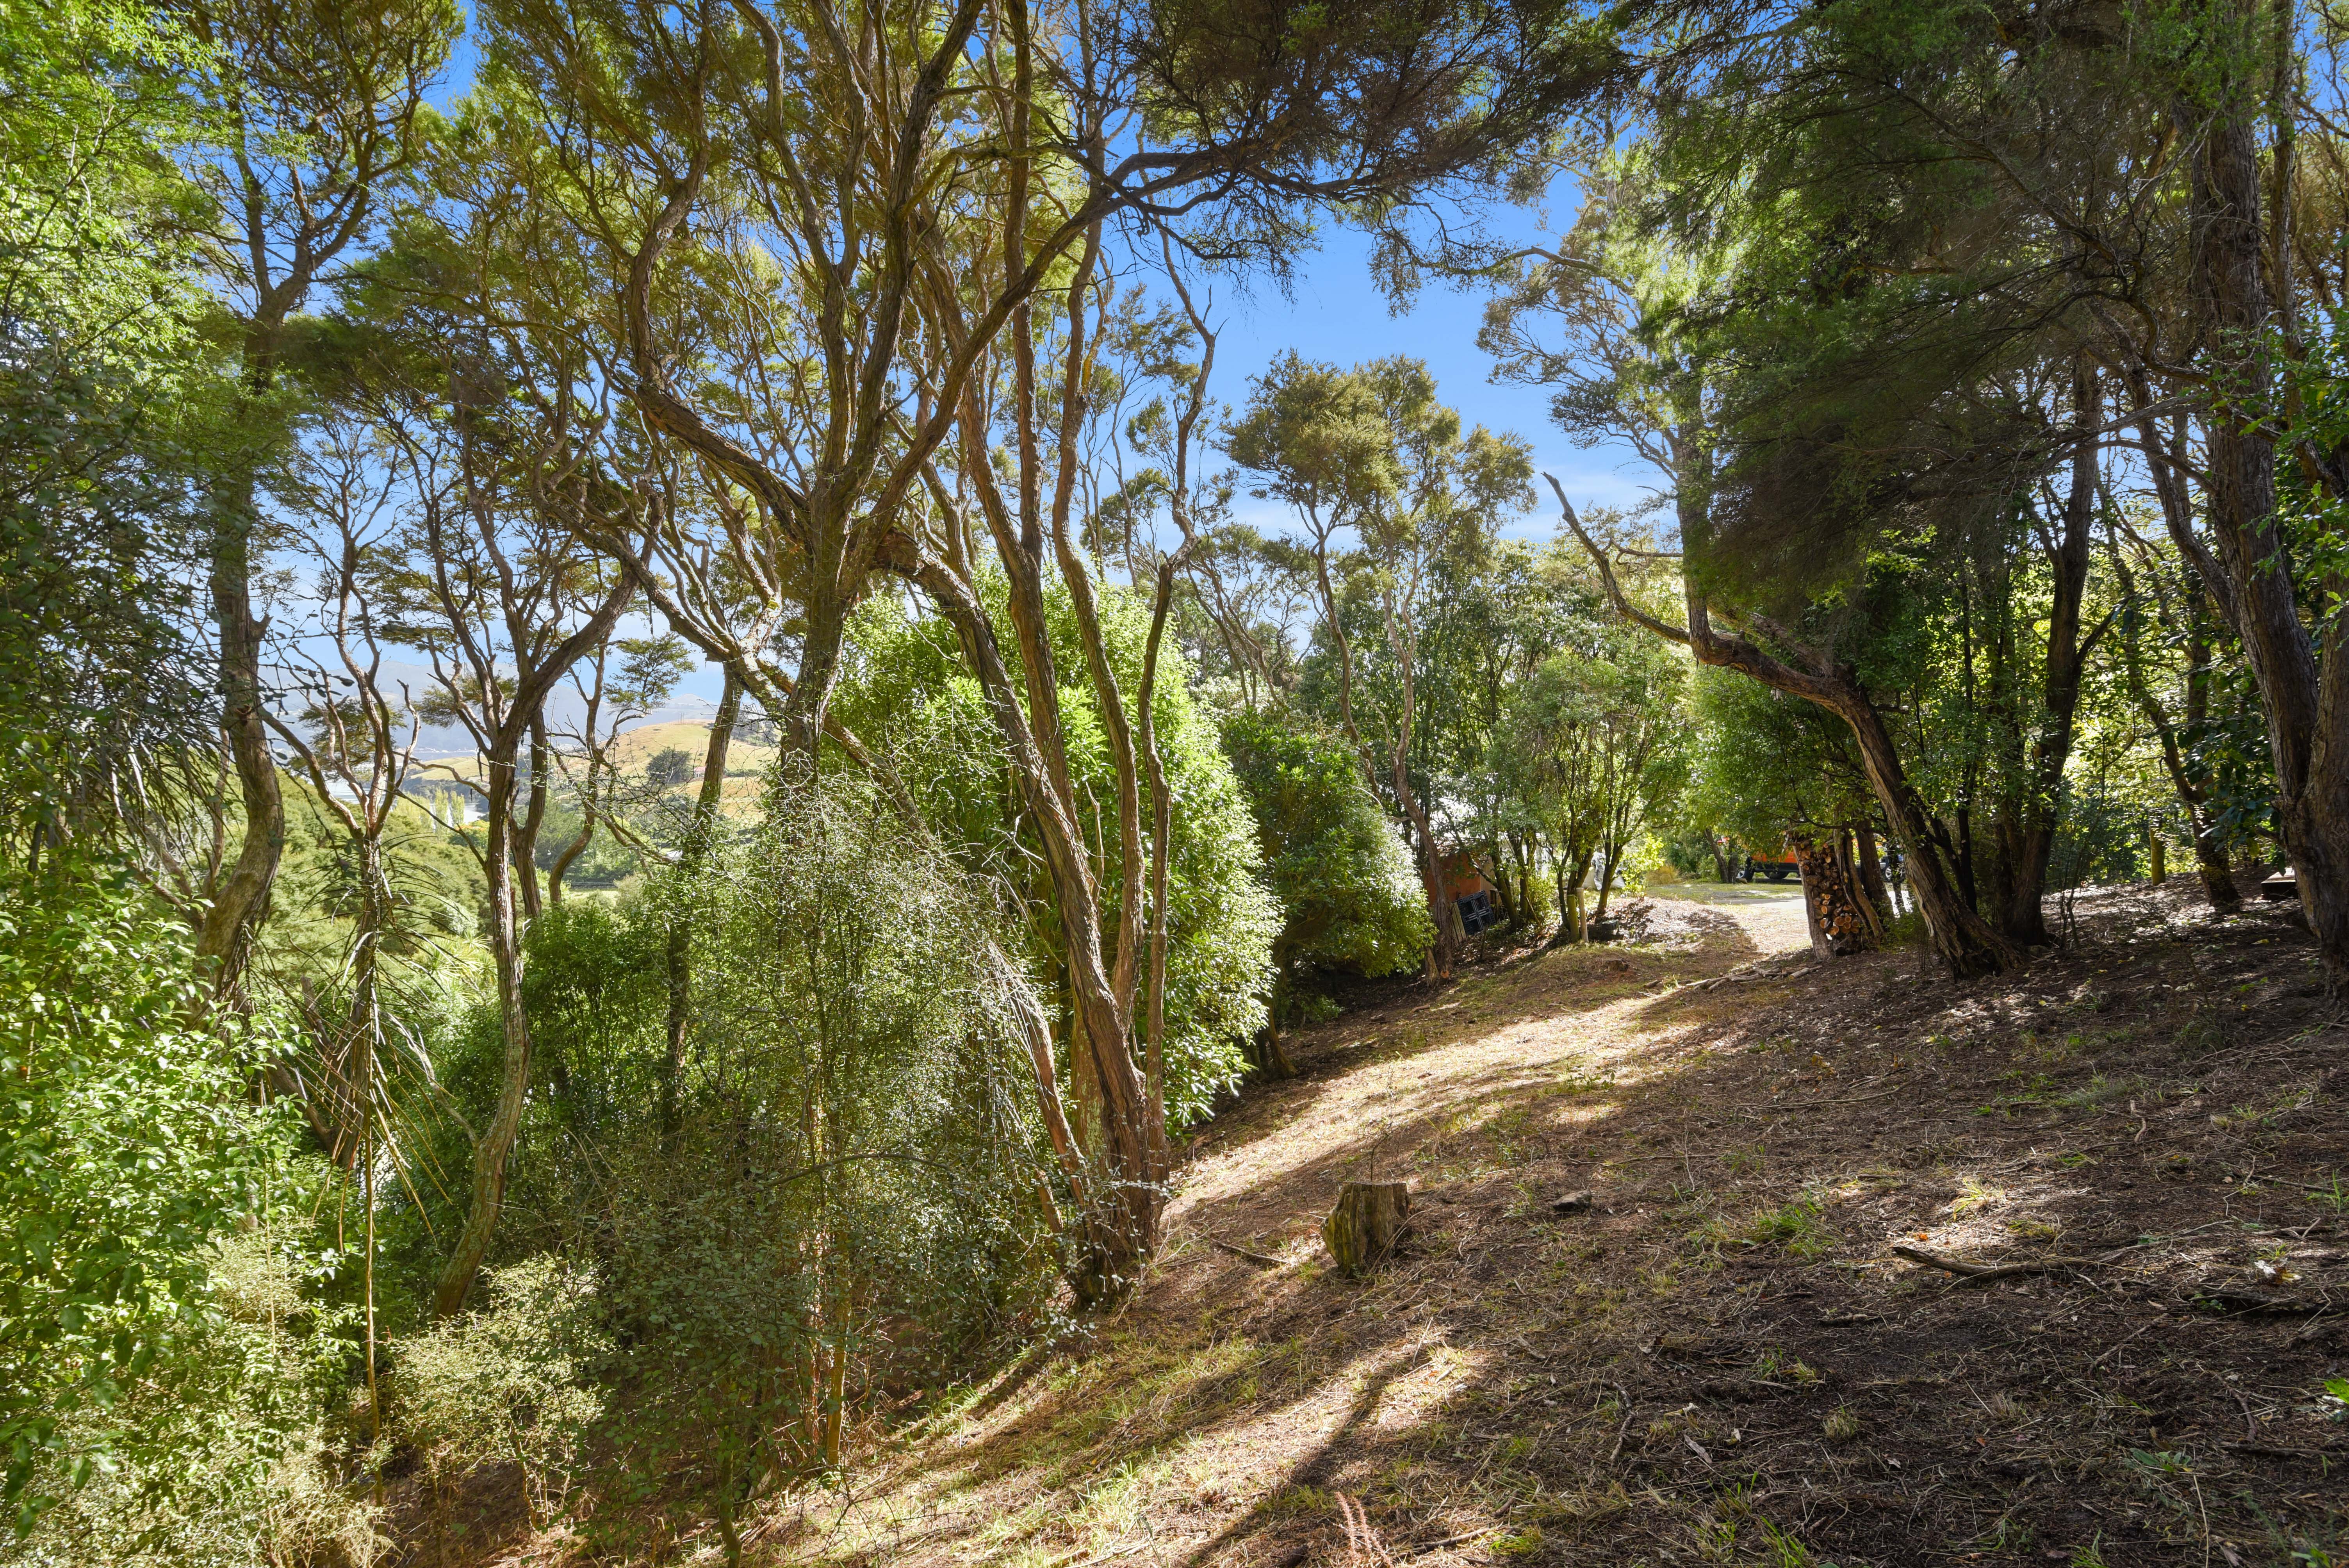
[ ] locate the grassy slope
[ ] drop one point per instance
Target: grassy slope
(1723, 1361)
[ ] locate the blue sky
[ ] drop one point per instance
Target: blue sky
(1337, 313)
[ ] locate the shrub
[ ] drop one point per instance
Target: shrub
(1348, 898)
(512, 1382)
(127, 1150)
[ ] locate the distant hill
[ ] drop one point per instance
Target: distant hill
(566, 710)
(638, 745)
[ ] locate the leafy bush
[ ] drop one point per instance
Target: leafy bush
(909, 696)
(1347, 895)
(834, 1189)
(127, 1150)
(167, 1368)
(239, 1458)
(512, 1382)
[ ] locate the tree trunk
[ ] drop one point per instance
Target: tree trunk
(241, 903)
(679, 958)
(2307, 713)
(1871, 875)
(1965, 945)
(1126, 1224)
(1847, 871)
(497, 1139)
(1268, 1058)
(1814, 919)
(1573, 921)
(2213, 867)
(1367, 1222)
(532, 816)
(1451, 936)
(2189, 779)
(825, 620)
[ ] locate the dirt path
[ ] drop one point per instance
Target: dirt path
(1771, 913)
(1717, 1356)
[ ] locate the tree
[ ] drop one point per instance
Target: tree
(505, 464)
(106, 424)
(2142, 208)
(2170, 643)
(1765, 525)
(1370, 453)
(624, 679)
(320, 108)
(670, 767)
(685, 133)
(1582, 747)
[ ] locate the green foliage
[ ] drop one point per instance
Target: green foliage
(1349, 897)
(594, 985)
(910, 698)
(1766, 765)
(128, 1150)
(840, 1171)
(1587, 750)
(437, 890)
(513, 1381)
(605, 863)
(107, 418)
(241, 1447)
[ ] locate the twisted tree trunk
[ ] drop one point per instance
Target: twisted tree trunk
(1966, 945)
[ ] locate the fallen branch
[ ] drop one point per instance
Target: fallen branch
(1262, 1259)
(2273, 1451)
(1854, 1100)
(1982, 1274)
(1756, 970)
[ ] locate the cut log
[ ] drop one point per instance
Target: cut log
(1362, 1229)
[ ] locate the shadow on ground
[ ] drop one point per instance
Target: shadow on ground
(1720, 1357)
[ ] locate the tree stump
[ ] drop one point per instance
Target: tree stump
(1362, 1228)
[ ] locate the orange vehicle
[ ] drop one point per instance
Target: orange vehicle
(1773, 865)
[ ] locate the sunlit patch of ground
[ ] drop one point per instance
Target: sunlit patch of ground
(1723, 1357)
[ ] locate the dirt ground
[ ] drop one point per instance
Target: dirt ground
(1670, 1295)
(1770, 914)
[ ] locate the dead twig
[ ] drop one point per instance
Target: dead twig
(1625, 1430)
(2241, 1302)
(2277, 1451)
(1983, 1273)
(1855, 1099)
(2118, 1345)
